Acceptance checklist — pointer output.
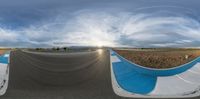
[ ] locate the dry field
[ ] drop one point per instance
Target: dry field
(3, 51)
(160, 58)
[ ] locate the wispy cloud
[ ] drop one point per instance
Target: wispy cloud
(105, 28)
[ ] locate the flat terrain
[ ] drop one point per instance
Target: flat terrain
(160, 58)
(2, 51)
(57, 50)
(84, 75)
(77, 76)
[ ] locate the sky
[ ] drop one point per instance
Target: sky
(114, 23)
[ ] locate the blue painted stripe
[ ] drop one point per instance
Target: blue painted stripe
(132, 81)
(159, 72)
(141, 80)
(4, 59)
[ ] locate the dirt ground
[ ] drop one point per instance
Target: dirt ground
(2, 51)
(160, 58)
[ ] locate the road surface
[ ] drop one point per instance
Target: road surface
(84, 75)
(72, 78)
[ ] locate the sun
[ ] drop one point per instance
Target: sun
(99, 44)
(100, 51)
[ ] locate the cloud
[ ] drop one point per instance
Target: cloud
(104, 28)
(7, 35)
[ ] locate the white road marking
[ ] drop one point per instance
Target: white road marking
(115, 59)
(4, 76)
(183, 85)
(6, 55)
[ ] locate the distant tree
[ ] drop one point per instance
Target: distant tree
(53, 48)
(38, 49)
(57, 48)
(65, 48)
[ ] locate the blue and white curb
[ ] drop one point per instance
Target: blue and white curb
(4, 72)
(132, 80)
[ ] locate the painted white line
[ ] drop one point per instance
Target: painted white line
(190, 77)
(4, 79)
(6, 55)
(123, 93)
(111, 52)
(4, 75)
(166, 87)
(185, 80)
(195, 69)
(116, 87)
(194, 72)
(115, 59)
(174, 87)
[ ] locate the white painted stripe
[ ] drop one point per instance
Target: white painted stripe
(166, 87)
(195, 68)
(115, 59)
(6, 55)
(187, 81)
(194, 72)
(3, 68)
(183, 83)
(111, 52)
(173, 86)
(190, 77)
(4, 78)
(116, 87)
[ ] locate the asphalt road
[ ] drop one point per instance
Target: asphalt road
(84, 75)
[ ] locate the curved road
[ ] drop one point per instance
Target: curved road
(31, 79)
(84, 75)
